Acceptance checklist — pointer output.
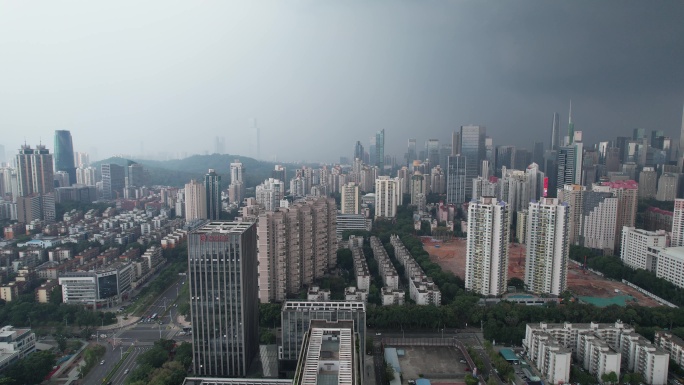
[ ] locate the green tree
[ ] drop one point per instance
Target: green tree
(471, 380)
(389, 372)
(184, 354)
(154, 357)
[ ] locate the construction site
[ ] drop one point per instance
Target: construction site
(583, 284)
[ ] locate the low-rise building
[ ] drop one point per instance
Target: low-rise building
(15, 344)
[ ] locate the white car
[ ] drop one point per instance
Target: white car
(126, 371)
(102, 362)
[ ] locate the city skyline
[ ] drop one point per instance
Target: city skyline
(422, 72)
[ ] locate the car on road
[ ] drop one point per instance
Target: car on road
(126, 371)
(102, 362)
(463, 361)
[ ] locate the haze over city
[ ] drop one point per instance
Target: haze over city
(142, 79)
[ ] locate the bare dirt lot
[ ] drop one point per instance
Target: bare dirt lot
(436, 363)
(450, 255)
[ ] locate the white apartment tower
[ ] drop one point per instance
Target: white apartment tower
(546, 265)
(599, 215)
(487, 246)
(270, 193)
(195, 201)
(351, 198)
(387, 196)
(626, 192)
(678, 223)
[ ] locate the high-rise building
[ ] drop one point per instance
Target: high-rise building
(113, 181)
(555, 132)
(358, 150)
(538, 154)
(64, 154)
(418, 189)
(86, 176)
(236, 189)
(456, 179)
(473, 148)
(627, 194)
(599, 214)
(270, 193)
(224, 303)
(572, 195)
(648, 183)
(411, 153)
(571, 127)
(35, 170)
(432, 151)
(195, 201)
(681, 135)
(569, 162)
(332, 345)
(635, 244)
(678, 223)
(387, 197)
(212, 186)
(546, 264)
(350, 199)
(297, 245)
(455, 143)
(504, 158)
(487, 246)
(668, 186)
(380, 151)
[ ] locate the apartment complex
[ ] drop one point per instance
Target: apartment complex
(634, 251)
(546, 263)
(422, 288)
(388, 195)
(297, 245)
(487, 246)
(599, 348)
(350, 198)
(195, 201)
(224, 307)
(678, 223)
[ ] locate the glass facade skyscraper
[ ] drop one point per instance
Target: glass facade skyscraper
(473, 148)
(212, 185)
(224, 302)
(64, 154)
(380, 151)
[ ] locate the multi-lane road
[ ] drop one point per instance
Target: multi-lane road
(137, 337)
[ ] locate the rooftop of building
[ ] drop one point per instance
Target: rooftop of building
(675, 252)
(323, 305)
(222, 227)
(624, 184)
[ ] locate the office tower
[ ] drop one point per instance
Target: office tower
(411, 153)
(358, 150)
(387, 197)
(521, 159)
(648, 183)
(298, 316)
(571, 127)
(473, 148)
(444, 153)
(635, 244)
(224, 303)
(297, 245)
(455, 143)
(638, 134)
(678, 224)
(135, 175)
(270, 193)
(569, 162)
(113, 181)
(195, 201)
(456, 179)
(668, 186)
(432, 151)
(487, 246)
(599, 214)
(572, 195)
(504, 158)
(64, 154)
(219, 145)
(490, 154)
(555, 132)
(612, 160)
(351, 199)
(371, 151)
(380, 151)
(236, 189)
(538, 154)
(212, 187)
(546, 263)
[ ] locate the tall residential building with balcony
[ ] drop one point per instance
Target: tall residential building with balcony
(573, 195)
(387, 196)
(297, 245)
(35, 177)
(635, 244)
(236, 189)
(224, 305)
(270, 193)
(626, 193)
(195, 201)
(599, 214)
(351, 198)
(546, 265)
(487, 246)
(86, 176)
(678, 223)
(648, 183)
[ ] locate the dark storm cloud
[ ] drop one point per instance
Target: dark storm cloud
(319, 75)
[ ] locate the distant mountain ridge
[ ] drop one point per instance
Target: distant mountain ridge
(178, 172)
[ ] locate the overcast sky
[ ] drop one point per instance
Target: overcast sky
(170, 76)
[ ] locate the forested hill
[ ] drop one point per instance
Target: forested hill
(178, 172)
